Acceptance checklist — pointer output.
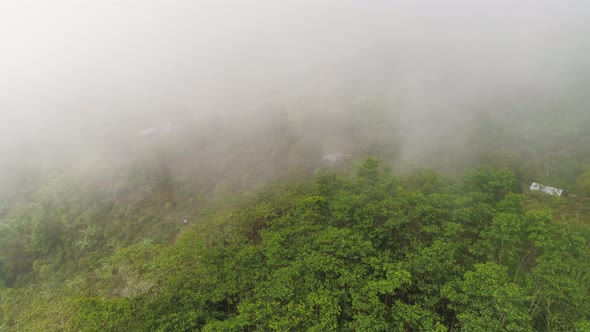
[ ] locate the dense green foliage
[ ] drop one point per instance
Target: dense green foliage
(356, 250)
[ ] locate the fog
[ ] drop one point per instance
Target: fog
(80, 79)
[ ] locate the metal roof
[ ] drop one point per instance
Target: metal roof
(546, 189)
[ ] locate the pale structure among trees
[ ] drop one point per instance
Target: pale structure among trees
(546, 189)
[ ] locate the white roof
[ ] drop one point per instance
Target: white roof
(546, 189)
(333, 157)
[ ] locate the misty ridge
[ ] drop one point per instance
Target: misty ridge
(270, 85)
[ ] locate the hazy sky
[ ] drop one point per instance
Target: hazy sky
(70, 69)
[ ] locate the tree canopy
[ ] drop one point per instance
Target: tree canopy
(357, 250)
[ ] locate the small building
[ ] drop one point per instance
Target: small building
(336, 156)
(546, 189)
(333, 157)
